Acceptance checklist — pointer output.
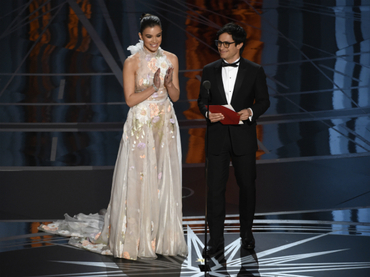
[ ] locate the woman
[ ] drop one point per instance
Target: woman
(144, 216)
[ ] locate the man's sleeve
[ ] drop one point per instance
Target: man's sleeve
(262, 101)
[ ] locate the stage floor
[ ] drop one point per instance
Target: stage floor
(303, 227)
(315, 243)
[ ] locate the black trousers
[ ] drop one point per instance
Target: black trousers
(218, 174)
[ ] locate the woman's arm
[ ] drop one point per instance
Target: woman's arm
(171, 80)
(129, 69)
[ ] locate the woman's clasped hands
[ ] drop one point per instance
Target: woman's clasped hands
(167, 78)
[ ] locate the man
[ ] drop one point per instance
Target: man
(242, 84)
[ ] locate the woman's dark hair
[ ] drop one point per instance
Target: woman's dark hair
(149, 20)
(237, 32)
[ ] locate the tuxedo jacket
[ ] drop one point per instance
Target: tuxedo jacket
(250, 91)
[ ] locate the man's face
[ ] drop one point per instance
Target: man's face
(229, 54)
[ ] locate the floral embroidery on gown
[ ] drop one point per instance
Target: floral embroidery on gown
(144, 216)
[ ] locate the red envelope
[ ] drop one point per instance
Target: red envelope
(231, 117)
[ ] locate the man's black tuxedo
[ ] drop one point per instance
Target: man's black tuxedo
(235, 142)
(250, 91)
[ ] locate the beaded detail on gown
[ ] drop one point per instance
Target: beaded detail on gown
(144, 215)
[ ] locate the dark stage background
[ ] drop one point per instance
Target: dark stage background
(62, 106)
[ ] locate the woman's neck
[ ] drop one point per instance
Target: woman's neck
(147, 51)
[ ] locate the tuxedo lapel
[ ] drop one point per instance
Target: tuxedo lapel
(242, 72)
(220, 85)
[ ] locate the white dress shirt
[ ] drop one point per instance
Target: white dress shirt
(229, 74)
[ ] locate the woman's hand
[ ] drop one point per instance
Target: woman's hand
(156, 79)
(171, 79)
(132, 97)
(168, 77)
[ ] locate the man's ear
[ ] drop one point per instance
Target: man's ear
(240, 45)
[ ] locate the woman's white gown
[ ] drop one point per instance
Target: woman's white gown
(144, 215)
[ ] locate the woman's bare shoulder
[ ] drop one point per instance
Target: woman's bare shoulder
(132, 61)
(172, 57)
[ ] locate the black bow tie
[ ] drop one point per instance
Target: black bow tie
(230, 64)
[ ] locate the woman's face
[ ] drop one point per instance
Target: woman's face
(152, 37)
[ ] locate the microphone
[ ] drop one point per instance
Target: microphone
(207, 85)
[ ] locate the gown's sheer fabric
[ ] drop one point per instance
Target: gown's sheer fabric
(144, 216)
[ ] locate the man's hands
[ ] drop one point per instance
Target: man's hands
(245, 114)
(215, 117)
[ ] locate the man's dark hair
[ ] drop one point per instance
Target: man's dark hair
(237, 32)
